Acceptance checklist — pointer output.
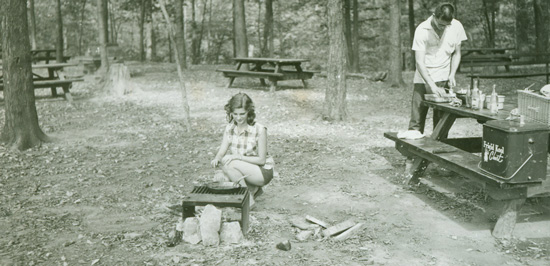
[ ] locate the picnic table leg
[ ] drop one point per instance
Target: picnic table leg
(507, 220)
(67, 94)
(273, 85)
(419, 165)
(231, 79)
(299, 69)
(52, 76)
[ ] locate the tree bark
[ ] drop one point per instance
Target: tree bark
(489, 11)
(522, 24)
(347, 32)
(355, 38)
(239, 29)
(541, 25)
(201, 33)
(80, 26)
(102, 36)
(195, 45)
(59, 42)
(142, 31)
(21, 130)
(180, 36)
(335, 96)
(395, 59)
(32, 24)
(412, 29)
(105, 18)
(268, 29)
(150, 32)
(186, 115)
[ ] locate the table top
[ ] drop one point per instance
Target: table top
(269, 60)
(483, 115)
(53, 65)
(487, 49)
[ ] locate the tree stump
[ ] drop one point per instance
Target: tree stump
(118, 80)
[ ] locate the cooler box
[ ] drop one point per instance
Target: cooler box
(513, 152)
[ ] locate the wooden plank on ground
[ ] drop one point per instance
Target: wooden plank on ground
(350, 232)
(316, 221)
(335, 229)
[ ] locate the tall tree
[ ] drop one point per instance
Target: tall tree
(32, 18)
(178, 66)
(347, 31)
(335, 95)
(395, 59)
(105, 18)
(180, 36)
(142, 30)
(522, 23)
(355, 38)
(150, 40)
(59, 43)
(21, 130)
(268, 29)
(195, 45)
(412, 28)
(541, 25)
(103, 35)
(239, 29)
(81, 26)
(490, 10)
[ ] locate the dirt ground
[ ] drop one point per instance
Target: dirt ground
(104, 192)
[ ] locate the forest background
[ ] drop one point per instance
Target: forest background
(300, 28)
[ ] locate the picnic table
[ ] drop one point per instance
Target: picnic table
(55, 78)
(465, 52)
(459, 155)
(43, 55)
(277, 69)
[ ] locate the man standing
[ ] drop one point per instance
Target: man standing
(437, 53)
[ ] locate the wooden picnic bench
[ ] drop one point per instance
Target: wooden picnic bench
(276, 71)
(507, 61)
(55, 79)
(459, 155)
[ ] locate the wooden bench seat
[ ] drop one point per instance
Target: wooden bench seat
(49, 58)
(65, 84)
(254, 74)
(452, 158)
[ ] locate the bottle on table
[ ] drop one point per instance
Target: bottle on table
(468, 99)
(493, 106)
(475, 95)
(481, 100)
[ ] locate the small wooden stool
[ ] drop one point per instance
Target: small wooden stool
(202, 196)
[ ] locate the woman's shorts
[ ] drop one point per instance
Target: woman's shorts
(267, 174)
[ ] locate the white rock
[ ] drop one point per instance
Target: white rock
(231, 233)
(191, 232)
(210, 223)
(304, 235)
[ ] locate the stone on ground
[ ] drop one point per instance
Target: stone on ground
(231, 233)
(191, 232)
(210, 223)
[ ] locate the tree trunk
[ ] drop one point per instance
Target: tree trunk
(395, 59)
(239, 29)
(195, 45)
(335, 96)
(201, 33)
(21, 130)
(180, 36)
(150, 32)
(355, 38)
(80, 26)
(186, 115)
(522, 24)
(541, 25)
(412, 28)
(142, 31)
(32, 24)
(112, 24)
(102, 36)
(347, 32)
(105, 18)
(489, 11)
(268, 29)
(59, 43)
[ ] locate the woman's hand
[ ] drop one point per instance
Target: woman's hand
(215, 162)
(230, 157)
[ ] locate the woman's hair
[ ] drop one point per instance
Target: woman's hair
(445, 12)
(240, 100)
